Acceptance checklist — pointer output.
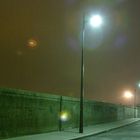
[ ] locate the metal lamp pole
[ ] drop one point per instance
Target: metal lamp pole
(82, 77)
(135, 97)
(95, 21)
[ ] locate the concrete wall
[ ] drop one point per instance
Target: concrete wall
(24, 112)
(138, 111)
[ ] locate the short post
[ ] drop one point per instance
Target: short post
(60, 110)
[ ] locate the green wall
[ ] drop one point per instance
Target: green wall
(25, 112)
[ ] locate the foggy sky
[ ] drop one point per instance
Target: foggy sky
(53, 66)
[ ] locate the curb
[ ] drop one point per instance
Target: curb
(104, 131)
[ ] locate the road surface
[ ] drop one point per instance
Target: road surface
(131, 132)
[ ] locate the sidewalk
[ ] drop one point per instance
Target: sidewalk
(73, 133)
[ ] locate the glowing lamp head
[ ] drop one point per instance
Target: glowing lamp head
(128, 94)
(96, 21)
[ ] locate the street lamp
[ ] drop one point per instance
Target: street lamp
(95, 21)
(135, 100)
(129, 95)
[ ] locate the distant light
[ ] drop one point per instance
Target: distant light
(139, 85)
(128, 94)
(64, 116)
(96, 21)
(32, 43)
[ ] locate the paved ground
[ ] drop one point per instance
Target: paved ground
(131, 132)
(73, 134)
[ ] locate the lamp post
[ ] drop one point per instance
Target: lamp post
(135, 99)
(135, 103)
(129, 95)
(95, 21)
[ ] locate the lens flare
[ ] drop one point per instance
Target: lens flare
(32, 43)
(64, 116)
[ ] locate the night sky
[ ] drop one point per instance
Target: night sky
(52, 64)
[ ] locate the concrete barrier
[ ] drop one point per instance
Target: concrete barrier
(24, 112)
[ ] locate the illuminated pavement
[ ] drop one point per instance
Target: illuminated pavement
(72, 134)
(131, 132)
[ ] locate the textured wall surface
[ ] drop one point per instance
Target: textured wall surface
(25, 112)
